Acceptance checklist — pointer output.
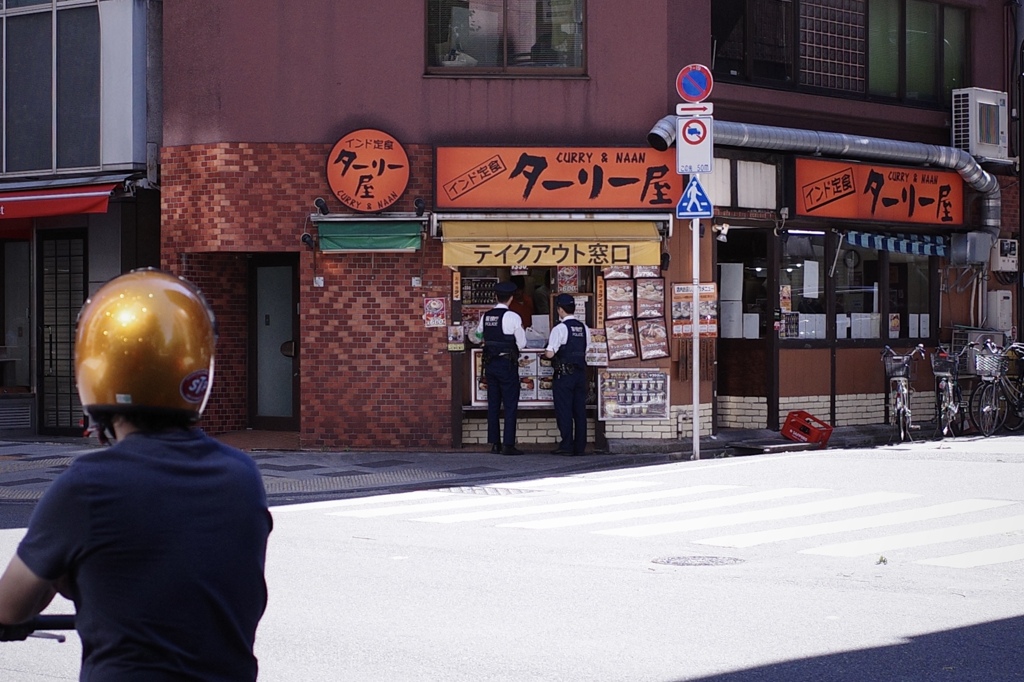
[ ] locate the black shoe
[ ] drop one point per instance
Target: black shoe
(496, 449)
(561, 451)
(511, 450)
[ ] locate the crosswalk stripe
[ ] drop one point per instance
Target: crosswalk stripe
(786, 512)
(460, 503)
(982, 557)
(920, 538)
(356, 501)
(577, 504)
(646, 512)
(888, 519)
(595, 488)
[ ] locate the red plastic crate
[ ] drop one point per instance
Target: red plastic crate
(804, 427)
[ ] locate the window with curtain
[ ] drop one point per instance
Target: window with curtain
(516, 37)
(51, 98)
(906, 50)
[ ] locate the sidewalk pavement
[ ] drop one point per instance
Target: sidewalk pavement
(28, 466)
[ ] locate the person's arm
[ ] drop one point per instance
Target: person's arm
(518, 331)
(555, 340)
(23, 594)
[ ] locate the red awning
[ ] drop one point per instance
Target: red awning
(51, 201)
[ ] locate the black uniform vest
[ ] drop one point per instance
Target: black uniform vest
(496, 341)
(574, 350)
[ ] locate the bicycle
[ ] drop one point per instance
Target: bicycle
(950, 415)
(998, 401)
(988, 402)
(897, 371)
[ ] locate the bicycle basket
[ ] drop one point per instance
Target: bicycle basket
(989, 365)
(943, 364)
(896, 366)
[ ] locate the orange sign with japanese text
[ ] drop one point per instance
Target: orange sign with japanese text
(576, 178)
(867, 191)
(368, 170)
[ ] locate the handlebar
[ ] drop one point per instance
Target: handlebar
(918, 351)
(32, 628)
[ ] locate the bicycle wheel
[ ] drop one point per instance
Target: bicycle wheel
(1012, 389)
(958, 411)
(988, 407)
(901, 415)
(945, 409)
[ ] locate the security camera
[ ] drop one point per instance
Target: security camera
(307, 239)
(663, 134)
(420, 205)
(321, 206)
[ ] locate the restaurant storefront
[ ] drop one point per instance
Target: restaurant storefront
(591, 222)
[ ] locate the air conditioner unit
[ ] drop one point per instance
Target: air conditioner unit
(980, 122)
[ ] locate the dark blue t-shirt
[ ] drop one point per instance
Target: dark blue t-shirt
(164, 540)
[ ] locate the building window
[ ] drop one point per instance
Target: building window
(51, 98)
(495, 37)
(906, 50)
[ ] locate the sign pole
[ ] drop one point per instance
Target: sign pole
(695, 316)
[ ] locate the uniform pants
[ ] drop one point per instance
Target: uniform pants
(570, 396)
(502, 390)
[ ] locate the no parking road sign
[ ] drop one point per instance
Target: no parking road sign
(694, 144)
(694, 83)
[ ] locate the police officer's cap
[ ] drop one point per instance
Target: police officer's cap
(563, 300)
(504, 289)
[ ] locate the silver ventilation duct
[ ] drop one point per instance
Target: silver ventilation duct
(731, 134)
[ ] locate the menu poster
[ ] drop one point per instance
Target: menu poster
(544, 388)
(481, 390)
(528, 388)
(456, 338)
(435, 313)
(786, 297)
(617, 272)
(653, 339)
(528, 364)
(642, 271)
(597, 349)
(650, 298)
(682, 310)
(618, 298)
(545, 368)
(568, 280)
(621, 340)
(624, 394)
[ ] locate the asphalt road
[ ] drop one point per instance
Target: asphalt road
(896, 563)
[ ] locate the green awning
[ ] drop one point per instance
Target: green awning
(369, 235)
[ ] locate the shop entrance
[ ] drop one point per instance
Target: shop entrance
(273, 343)
(62, 290)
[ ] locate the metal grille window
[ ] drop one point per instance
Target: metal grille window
(515, 37)
(51, 95)
(906, 50)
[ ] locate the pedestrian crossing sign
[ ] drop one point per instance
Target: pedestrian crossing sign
(695, 202)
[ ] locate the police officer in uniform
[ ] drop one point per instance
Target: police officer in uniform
(503, 337)
(567, 344)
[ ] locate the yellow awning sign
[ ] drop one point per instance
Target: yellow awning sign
(504, 243)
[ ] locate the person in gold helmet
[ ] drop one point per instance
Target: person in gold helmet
(160, 539)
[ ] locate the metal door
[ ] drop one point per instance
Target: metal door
(274, 347)
(62, 291)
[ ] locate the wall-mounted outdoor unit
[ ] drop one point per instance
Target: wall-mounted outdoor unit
(980, 123)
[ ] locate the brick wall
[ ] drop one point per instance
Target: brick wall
(372, 376)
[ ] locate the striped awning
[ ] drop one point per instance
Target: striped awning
(916, 244)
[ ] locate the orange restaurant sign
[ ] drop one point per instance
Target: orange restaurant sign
(864, 191)
(368, 170)
(565, 178)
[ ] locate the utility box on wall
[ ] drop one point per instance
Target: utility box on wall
(1004, 256)
(1000, 310)
(971, 248)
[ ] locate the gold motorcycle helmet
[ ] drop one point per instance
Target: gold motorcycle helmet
(144, 346)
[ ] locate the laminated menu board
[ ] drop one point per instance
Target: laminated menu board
(567, 280)
(653, 339)
(642, 271)
(618, 299)
(617, 272)
(535, 375)
(597, 349)
(650, 298)
(632, 393)
(621, 339)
